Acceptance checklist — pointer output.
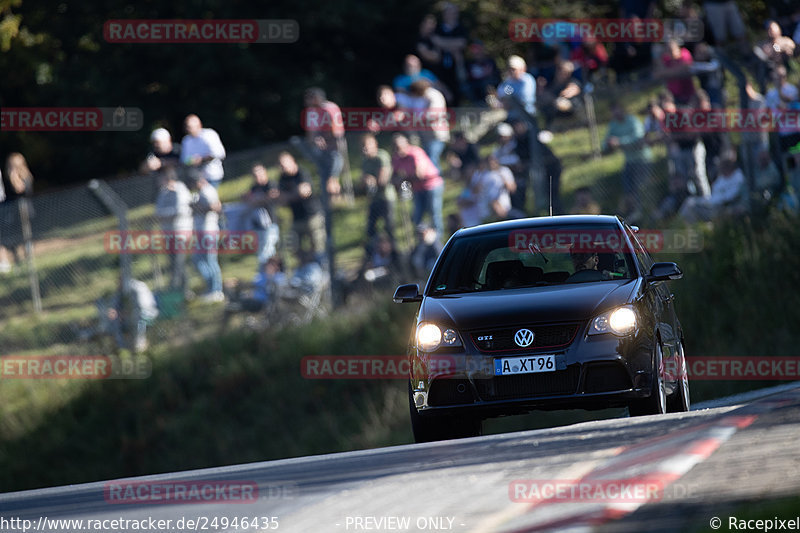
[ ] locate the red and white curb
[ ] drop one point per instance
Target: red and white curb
(659, 462)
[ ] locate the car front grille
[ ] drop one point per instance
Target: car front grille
(529, 385)
(545, 337)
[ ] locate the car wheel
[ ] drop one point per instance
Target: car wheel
(679, 401)
(443, 427)
(656, 403)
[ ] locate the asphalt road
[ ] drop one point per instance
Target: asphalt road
(659, 473)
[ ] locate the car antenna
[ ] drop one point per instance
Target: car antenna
(551, 195)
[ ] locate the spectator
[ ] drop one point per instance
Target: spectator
(519, 86)
(676, 69)
(18, 179)
(429, 54)
(328, 142)
(715, 141)
(309, 277)
(472, 210)
(206, 208)
(164, 153)
(262, 215)
(201, 149)
(498, 185)
(450, 37)
(513, 152)
(754, 142)
(547, 186)
(482, 74)
(626, 132)
(128, 312)
(687, 154)
(308, 222)
(413, 71)
(487, 196)
(391, 102)
(726, 194)
(266, 285)
(767, 180)
(17, 184)
(631, 57)
(724, 20)
(410, 163)
(461, 156)
(709, 73)
(506, 151)
(381, 261)
(590, 59)
(775, 51)
(376, 173)
(584, 203)
(174, 213)
(425, 253)
(560, 97)
(654, 132)
(436, 129)
(781, 97)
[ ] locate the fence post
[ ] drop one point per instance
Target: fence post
(27, 236)
(118, 208)
(591, 118)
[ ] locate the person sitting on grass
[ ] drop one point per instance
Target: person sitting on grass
(126, 314)
(726, 194)
(266, 284)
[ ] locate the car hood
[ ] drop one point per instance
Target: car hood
(510, 307)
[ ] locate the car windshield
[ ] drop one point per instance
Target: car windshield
(533, 257)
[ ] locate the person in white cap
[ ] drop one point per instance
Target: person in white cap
(520, 86)
(164, 153)
(506, 151)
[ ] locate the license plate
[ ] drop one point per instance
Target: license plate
(508, 366)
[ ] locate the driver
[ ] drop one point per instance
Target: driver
(585, 264)
(584, 260)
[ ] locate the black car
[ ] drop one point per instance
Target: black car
(543, 313)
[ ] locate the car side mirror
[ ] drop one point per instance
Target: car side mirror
(407, 293)
(664, 271)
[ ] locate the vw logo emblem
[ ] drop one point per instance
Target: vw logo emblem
(523, 338)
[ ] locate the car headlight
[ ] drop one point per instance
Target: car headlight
(620, 321)
(430, 337)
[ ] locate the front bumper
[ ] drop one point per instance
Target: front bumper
(594, 372)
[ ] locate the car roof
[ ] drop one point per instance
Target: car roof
(535, 222)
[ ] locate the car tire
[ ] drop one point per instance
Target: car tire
(679, 401)
(656, 403)
(442, 427)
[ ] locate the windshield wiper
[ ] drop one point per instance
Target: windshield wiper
(533, 246)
